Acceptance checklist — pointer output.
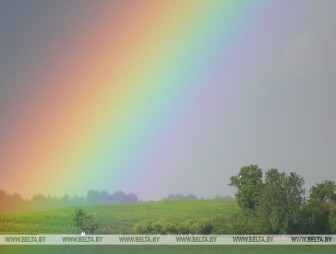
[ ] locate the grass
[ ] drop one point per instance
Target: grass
(115, 219)
(119, 219)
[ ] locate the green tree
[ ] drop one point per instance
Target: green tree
(86, 223)
(323, 194)
(269, 206)
(322, 208)
(281, 201)
(249, 184)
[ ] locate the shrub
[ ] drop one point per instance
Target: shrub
(332, 223)
(246, 222)
(166, 227)
(169, 227)
(220, 225)
(155, 227)
(85, 222)
(143, 227)
(197, 226)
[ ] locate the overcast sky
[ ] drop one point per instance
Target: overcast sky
(282, 116)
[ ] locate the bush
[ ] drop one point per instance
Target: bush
(220, 225)
(166, 227)
(332, 223)
(246, 222)
(198, 226)
(169, 228)
(144, 227)
(156, 227)
(86, 223)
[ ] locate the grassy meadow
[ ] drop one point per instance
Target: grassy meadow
(114, 219)
(119, 219)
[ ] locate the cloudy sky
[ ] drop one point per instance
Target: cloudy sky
(223, 86)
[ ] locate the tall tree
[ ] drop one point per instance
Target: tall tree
(322, 207)
(249, 184)
(275, 202)
(323, 194)
(281, 200)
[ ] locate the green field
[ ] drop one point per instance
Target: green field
(114, 219)
(119, 219)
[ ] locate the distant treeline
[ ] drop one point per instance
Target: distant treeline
(192, 197)
(15, 202)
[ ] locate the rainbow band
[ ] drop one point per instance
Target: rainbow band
(122, 99)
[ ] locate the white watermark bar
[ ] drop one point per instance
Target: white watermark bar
(167, 239)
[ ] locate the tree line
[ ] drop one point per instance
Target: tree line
(271, 203)
(277, 204)
(193, 197)
(15, 202)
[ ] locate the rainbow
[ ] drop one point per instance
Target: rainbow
(112, 100)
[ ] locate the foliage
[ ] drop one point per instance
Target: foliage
(332, 223)
(249, 184)
(323, 194)
(115, 219)
(269, 206)
(180, 197)
(200, 226)
(245, 222)
(276, 204)
(85, 222)
(195, 226)
(11, 203)
(280, 201)
(219, 225)
(322, 208)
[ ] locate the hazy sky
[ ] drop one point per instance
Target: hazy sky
(279, 111)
